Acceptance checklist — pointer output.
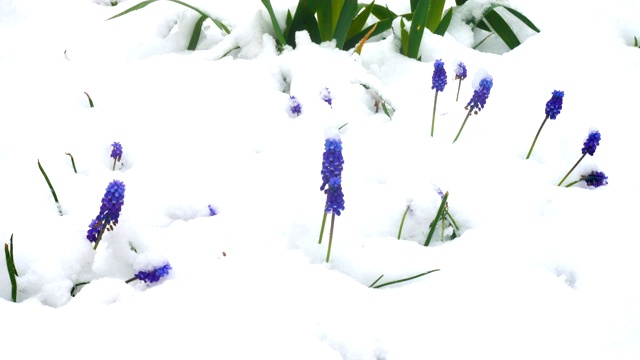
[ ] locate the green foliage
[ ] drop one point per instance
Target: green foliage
(374, 286)
(11, 268)
(197, 30)
(53, 192)
(635, 42)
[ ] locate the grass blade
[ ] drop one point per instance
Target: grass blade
(134, 8)
(444, 23)
(522, 18)
(404, 216)
(274, 22)
(375, 282)
(197, 30)
(401, 280)
(53, 192)
(15, 271)
(358, 23)
(89, 98)
(436, 7)
(347, 14)
(502, 29)
(12, 275)
(434, 223)
(73, 163)
(418, 24)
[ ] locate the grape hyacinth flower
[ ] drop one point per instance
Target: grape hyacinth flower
(552, 110)
(461, 74)
(326, 96)
(438, 82)
(595, 179)
(116, 153)
(294, 106)
(212, 211)
(109, 215)
(589, 147)
(478, 100)
(153, 275)
(332, 165)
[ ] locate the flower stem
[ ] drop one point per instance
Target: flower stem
(463, 123)
(333, 218)
(130, 280)
(433, 118)
(324, 221)
(404, 216)
(72, 163)
(114, 164)
(104, 226)
(573, 183)
(434, 223)
(458, 93)
(537, 134)
(574, 166)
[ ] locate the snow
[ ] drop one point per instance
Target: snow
(538, 271)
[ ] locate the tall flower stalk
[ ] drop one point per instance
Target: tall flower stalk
(438, 82)
(332, 165)
(589, 147)
(478, 100)
(109, 214)
(461, 74)
(552, 110)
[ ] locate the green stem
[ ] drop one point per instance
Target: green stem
(573, 183)
(574, 166)
(130, 280)
(324, 221)
(447, 213)
(433, 117)
(463, 123)
(53, 192)
(73, 163)
(404, 216)
(442, 229)
(432, 226)
(537, 134)
(104, 226)
(459, 83)
(333, 218)
(403, 280)
(114, 164)
(375, 282)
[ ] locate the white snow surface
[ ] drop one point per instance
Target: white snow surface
(537, 272)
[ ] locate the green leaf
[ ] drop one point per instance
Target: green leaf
(414, 5)
(337, 7)
(418, 24)
(404, 37)
(381, 26)
(133, 8)
(53, 192)
(439, 214)
(10, 270)
(195, 35)
(383, 12)
(460, 2)
(347, 14)
(325, 20)
(304, 19)
(374, 286)
(502, 29)
(436, 7)
(444, 24)
(358, 23)
(274, 22)
(522, 18)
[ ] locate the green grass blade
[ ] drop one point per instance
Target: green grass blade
(434, 223)
(404, 37)
(197, 30)
(53, 192)
(73, 163)
(383, 12)
(89, 98)
(381, 26)
(502, 29)
(325, 20)
(418, 24)
(358, 23)
(347, 14)
(15, 271)
(134, 8)
(444, 23)
(375, 282)
(10, 271)
(436, 8)
(274, 22)
(522, 18)
(401, 280)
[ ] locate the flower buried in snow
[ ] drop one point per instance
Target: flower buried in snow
(326, 96)
(439, 78)
(591, 143)
(480, 95)
(212, 211)
(332, 161)
(461, 71)
(153, 275)
(294, 106)
(116, 151)
(335, 197)
(554, 105)
(595, 179)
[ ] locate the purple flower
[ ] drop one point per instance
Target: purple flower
(294, 106)
(461, 71)
(212, 211)
(112, 203)
(592, 142)
(326, 96)
(94, 230)
(332, 161)
(595, 179)
(554, 105)
(153, 275)
(439, 78)
(480, 95)
(335, 197)
(116, 151)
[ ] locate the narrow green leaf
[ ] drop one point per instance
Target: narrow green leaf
(12, 275)
(502, 29)
(483, 25)
(304, 19)
(444, 24)
(404, 37)
(89, 98)
(522, 18)
(13, 259)
(73, 163)
(337, 7)
(375, 282)
(414, 5)
(418, 24)
(434, 223)
(635, 41)
(358, 23)
(401, 280)
(380, 27)
(460, 2)
(197, 31)
(53, 192)
(347, 14)
(133, 8)
(383, 12)
(325, 20)
(436, 8)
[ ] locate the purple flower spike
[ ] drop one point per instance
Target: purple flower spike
(212, 211)
(461, 71)
(326, 96)
(439, 78)
(480, 95)
(116, 151)
(595, 179)
(153, 275)
(332, 161)
(335, 197)
(592, 142)
(294, 106)
(554, 105)
(112, 203)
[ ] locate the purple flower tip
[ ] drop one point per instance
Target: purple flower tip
(116, 151)
(439, 78)
(595, 179)
(554, 105)
(480, 95)
(153, 275)
(591, 143)
(212, 211)
(326, 96)
(332, 161)
(461, 71)
(294, 106)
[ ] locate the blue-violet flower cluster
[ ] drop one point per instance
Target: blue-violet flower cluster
(554, 105)
(326, 96)
(294, 106)
(154, 275)
(332, 161)
(335, 197)
(439, 78)
(212, 211)
(480, 95)
(461, 71)
(591, 143)
(110, 209)
(116, 151)
(595, 179)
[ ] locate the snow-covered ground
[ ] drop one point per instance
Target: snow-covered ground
(537, 271)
